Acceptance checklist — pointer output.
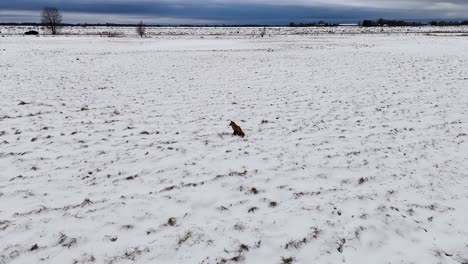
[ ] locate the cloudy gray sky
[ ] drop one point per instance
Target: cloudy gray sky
(234, 11)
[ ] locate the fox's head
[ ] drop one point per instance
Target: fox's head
(232, 124)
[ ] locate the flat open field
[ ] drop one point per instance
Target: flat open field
(118, 150)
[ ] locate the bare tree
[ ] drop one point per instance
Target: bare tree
(141, 29)
(52, 19)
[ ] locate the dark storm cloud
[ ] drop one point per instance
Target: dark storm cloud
(255, 11)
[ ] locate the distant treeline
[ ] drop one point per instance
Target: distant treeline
(448, 23)
(365, 23)
(400, 23)
(313, 24)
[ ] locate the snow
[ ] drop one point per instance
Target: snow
(355, 149)
(116, 31)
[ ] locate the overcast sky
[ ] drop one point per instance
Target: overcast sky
(233, 11)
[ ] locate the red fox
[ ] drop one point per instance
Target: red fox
(237, 130)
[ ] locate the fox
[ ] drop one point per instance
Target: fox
(237, 130)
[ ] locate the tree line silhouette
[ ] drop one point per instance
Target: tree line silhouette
(400, 23)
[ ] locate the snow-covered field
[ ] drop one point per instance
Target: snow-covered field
(234, 31)
(118, 150)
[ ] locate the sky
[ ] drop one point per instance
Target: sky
(274, 12)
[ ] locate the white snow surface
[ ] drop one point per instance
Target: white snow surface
(355, 150)
(119, 31)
